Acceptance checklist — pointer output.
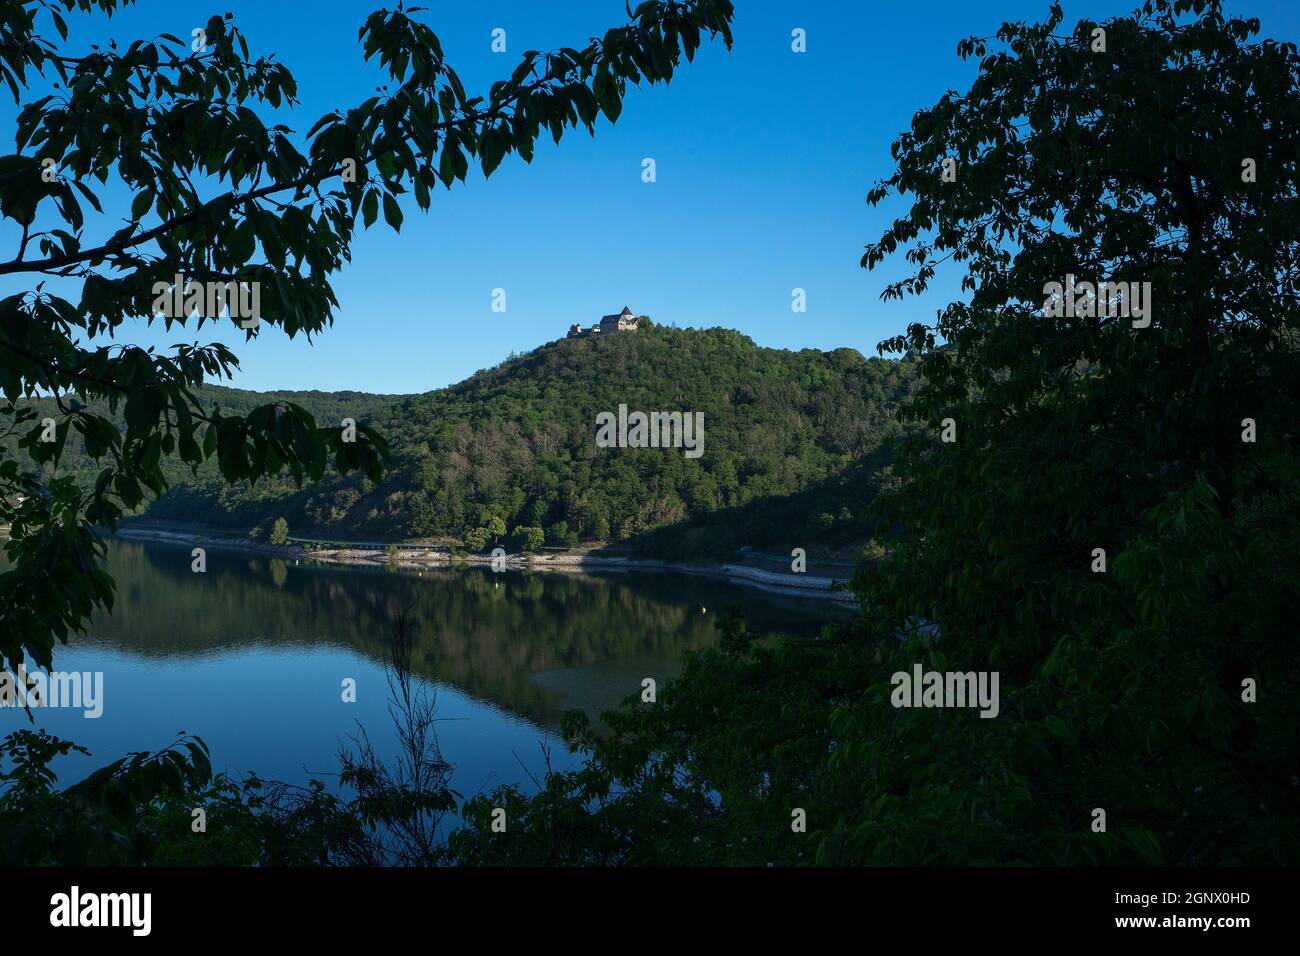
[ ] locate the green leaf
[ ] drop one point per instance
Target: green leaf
(392, 212)
(140, 205)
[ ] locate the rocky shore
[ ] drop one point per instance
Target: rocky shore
(416, 558)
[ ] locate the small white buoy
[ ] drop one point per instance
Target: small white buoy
(704, 610)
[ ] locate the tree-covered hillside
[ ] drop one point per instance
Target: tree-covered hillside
(326, 407)
(514, 447)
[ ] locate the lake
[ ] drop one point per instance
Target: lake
(252, 655)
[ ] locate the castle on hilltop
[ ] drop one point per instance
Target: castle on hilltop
(623, 321)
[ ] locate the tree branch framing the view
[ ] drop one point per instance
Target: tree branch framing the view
(171, 123)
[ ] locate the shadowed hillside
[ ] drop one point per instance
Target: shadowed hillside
(513, 448)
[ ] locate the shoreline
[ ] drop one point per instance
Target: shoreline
(417, 559)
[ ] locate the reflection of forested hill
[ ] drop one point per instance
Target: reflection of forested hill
(485, 633)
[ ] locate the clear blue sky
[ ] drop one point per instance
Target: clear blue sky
(764, 158)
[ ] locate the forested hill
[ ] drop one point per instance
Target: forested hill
(787, 455)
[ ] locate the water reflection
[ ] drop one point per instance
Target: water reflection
(533, 644)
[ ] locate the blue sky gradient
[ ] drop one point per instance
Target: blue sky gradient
(763, 156)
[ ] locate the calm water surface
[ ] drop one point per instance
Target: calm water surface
(252, 654)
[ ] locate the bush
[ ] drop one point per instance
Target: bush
(279, 532)
(559, 534)
(528, 538)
